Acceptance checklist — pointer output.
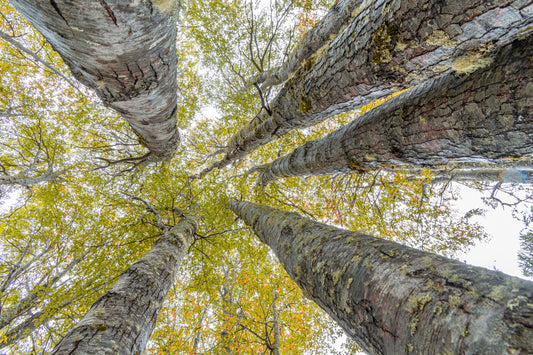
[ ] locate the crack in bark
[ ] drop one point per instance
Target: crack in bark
(155, 73)
(127, 93)
(109, 11)
(54, 5)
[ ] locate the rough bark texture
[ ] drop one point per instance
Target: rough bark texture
(464, 121)
(392, 299)
(121, 321)
(126, 52)
(387, 46)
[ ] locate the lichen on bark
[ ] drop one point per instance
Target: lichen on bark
(387, 46)
(121, 321)
(475, 122)
(392, 299)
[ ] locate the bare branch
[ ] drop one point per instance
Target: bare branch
(150, 208)
(49, 66)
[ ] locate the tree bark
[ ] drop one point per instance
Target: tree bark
(226, 297)
(276, 343)
(121, 321)
(126, 52)
(392, 299)
(460, 122)
(388, 45)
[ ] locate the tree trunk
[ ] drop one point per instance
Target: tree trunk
(276, 343)
(126, 52)
(226, 297)
(121, 321)
(388, 45)
(29, 325)
(483, 120)
(392, 299)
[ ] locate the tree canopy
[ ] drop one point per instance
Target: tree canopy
(92, 174)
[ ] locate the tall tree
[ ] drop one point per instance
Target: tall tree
(394, 299)
(85, 211)
(237, 306)
(322, 32)
(525, 256)
(387, 46)
(476, 118)
(121, 321)
(126, 53)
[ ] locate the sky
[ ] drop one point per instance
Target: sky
(501, 251)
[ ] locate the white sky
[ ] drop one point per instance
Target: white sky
(501, 251)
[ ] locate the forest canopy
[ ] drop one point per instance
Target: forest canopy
(114, 135)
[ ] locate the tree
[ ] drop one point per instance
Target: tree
(526, 260)
(126, 54)
(87, 212)
(444, 124)
(384, 48)
(526, 242)
(238, 308)
(386, 296)
(122, 320)
(32, 168)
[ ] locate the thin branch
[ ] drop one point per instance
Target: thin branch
(150, 208)
(49, 66)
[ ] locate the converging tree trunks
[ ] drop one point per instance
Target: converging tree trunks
(468, 121)
(386, 46)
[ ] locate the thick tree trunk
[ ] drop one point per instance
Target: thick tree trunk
(126, 52)
(387, 46)
(392, 299)
(483, 120)
(121, 321)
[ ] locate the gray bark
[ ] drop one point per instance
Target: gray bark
(388, 45)
(460, 122)
(121, 321)
(276, 344)
(392, 299)
(226, 296)
(48, 176)
(29, 325)
(126, 52)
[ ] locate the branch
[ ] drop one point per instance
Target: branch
(135, 162)
(150, 208)
(49, 66)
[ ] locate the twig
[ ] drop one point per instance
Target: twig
(150, 208)
(50, 67)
